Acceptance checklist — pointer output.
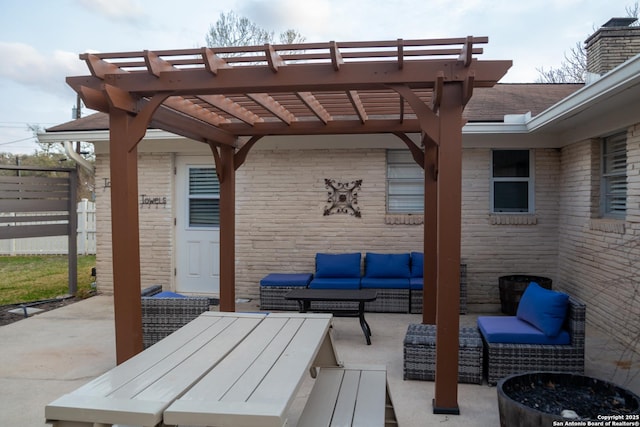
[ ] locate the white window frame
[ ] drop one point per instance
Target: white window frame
(613, 146)
(406, 161)
(530, 180)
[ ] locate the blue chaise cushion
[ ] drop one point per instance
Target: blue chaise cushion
(416, 283)
(417, 264)
(286, 279)
(387, 266)
(543, 308)
(338, 265)
(511, 330)
(389, 283)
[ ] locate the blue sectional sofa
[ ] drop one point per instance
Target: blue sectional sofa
(389, 274)
(397, 278)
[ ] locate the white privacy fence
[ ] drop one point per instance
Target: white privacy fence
(58, 245)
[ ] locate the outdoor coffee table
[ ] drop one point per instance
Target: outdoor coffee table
(306, 296)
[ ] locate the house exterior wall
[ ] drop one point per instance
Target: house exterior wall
(495, 245)
(280, 226)
(599, 259)
(155, 178)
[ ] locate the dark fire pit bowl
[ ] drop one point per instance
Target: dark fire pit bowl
(546, 394)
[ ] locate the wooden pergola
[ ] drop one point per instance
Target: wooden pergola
(230, 97)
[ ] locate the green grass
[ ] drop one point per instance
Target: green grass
(34, 278)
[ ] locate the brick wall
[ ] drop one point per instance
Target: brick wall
(155, 174)
(288, 188)
(600, 258)
(497, 245)
(609, 47)
(280, 223)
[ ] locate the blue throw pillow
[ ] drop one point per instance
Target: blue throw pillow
(338, 265)
(543, 308)
(417, 264)
(385, 266)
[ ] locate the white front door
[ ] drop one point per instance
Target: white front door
(197, 227)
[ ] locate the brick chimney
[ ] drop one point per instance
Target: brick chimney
(611, 45)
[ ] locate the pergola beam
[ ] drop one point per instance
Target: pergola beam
(351, 76)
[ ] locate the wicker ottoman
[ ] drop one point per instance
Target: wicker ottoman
(275, 286)
(420, 354)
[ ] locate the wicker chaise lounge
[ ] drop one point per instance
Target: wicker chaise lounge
(503, 359)
(161, 316)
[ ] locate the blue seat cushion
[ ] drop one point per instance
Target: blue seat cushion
(338, 265)
(395, 283)
(167, 294)
(543, 308)
(335, 283)
(416, 283)
(417, 264)
(511, 330)
(286, 279)
(386, 266)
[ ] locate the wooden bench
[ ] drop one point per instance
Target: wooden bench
(349, 396)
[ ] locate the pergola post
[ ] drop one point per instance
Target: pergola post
(125, 234)
(448, 252)
(227, 229)
(430, 273)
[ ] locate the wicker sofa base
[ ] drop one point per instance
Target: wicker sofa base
(163, 316)
(420, 354)
(389, 301)
(509, 359)
(417, 294)
(272, 298)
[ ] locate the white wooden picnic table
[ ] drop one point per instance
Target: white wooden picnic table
(222, 369)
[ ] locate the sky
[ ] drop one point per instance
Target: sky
(40, 40)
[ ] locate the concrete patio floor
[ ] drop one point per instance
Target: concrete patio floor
(55, 352)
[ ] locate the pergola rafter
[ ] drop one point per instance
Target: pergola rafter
(218, 95)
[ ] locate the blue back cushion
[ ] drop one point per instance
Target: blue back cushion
(543, 308)
(385, 266)
(337, 265)
(417, 264)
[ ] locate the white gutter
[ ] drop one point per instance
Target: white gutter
(68, 148)
(621, 78)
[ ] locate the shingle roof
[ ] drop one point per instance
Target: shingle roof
(486, 104)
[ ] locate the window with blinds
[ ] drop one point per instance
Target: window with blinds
(204, 198)
(614, 175)
(405, 183)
